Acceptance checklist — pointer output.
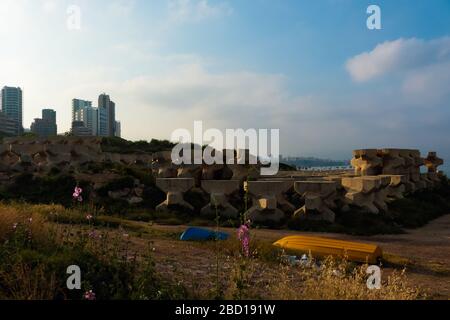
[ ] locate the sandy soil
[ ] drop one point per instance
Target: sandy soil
(425, 251)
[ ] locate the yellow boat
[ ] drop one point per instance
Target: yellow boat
(322, 247)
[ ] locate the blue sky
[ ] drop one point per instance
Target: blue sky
(310, 68)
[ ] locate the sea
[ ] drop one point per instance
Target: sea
(445, 169)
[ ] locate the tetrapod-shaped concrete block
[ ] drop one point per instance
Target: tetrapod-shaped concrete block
(174, 189)
(219, 191)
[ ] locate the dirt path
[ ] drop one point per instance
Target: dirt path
(425, 252)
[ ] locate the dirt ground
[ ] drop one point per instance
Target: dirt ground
(425, 253)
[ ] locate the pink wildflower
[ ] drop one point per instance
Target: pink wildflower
(15, 226)
(244, 237)
(89, 295)
(77, 194)
(89, 217)
(93, 234)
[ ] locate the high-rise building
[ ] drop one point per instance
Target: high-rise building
(45, 127)
(80, 130)
(78, 104)
(89, 117)
(49, 115)
(112, 119)
(117, 130)
(12, 106)
(102, 127)
(100, 121)
(106, 116)
(8, 126)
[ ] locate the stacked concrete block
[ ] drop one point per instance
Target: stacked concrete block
(396, 188)
(367, 162)
(174, 189)
(432, 162)
(219, 191)
(265, 195)
(361, 192)
(162, 166)
(393, 163)
(380, 191)
(419, 180)
(319, 196)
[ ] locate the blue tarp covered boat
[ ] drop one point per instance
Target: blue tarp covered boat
(199, 234)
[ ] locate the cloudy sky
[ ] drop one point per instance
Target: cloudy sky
(310, 68)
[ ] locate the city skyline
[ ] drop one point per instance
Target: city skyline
(169, 63)
(87, 119)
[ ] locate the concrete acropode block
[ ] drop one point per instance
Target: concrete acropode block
(316, 194)
(367, 162)
(396, 188)
(393, 163)
(409, 161)
(174, 188)
(339, 201)
(162, 166)
(29, 149)
(418, 160)
(265, 195)
(432, 162)
(419, 183)
(283, 203)
(219, 190)
(381, 193)
(434, 176)
(430, 184)
(361, 192)
(359, 184)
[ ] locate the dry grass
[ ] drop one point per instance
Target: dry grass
(14, 216)
(339, 280)
(267, 276)
(27, 283)
(263, 276)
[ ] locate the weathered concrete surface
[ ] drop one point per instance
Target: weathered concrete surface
(396, 188)
(381, 191)
(367, 162)
(318, 195)
(406, 162)
(162, 166)
(219, 191)
(432, 162)
(360, 192)
(430, 184)
(244, 166)
(64, 153)
(288, 186)
(265, 195)
(393, 163)
(174, 189)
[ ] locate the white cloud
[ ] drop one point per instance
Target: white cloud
(428, 86)
(158, 90)
(181, 11)
(396, 56)
(50, 6)
(121, 8)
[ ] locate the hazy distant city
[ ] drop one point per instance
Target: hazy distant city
(87, 120)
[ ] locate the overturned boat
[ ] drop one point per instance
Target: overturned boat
(322, 247)
(200, 234)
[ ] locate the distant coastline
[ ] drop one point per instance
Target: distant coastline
(313, 163)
